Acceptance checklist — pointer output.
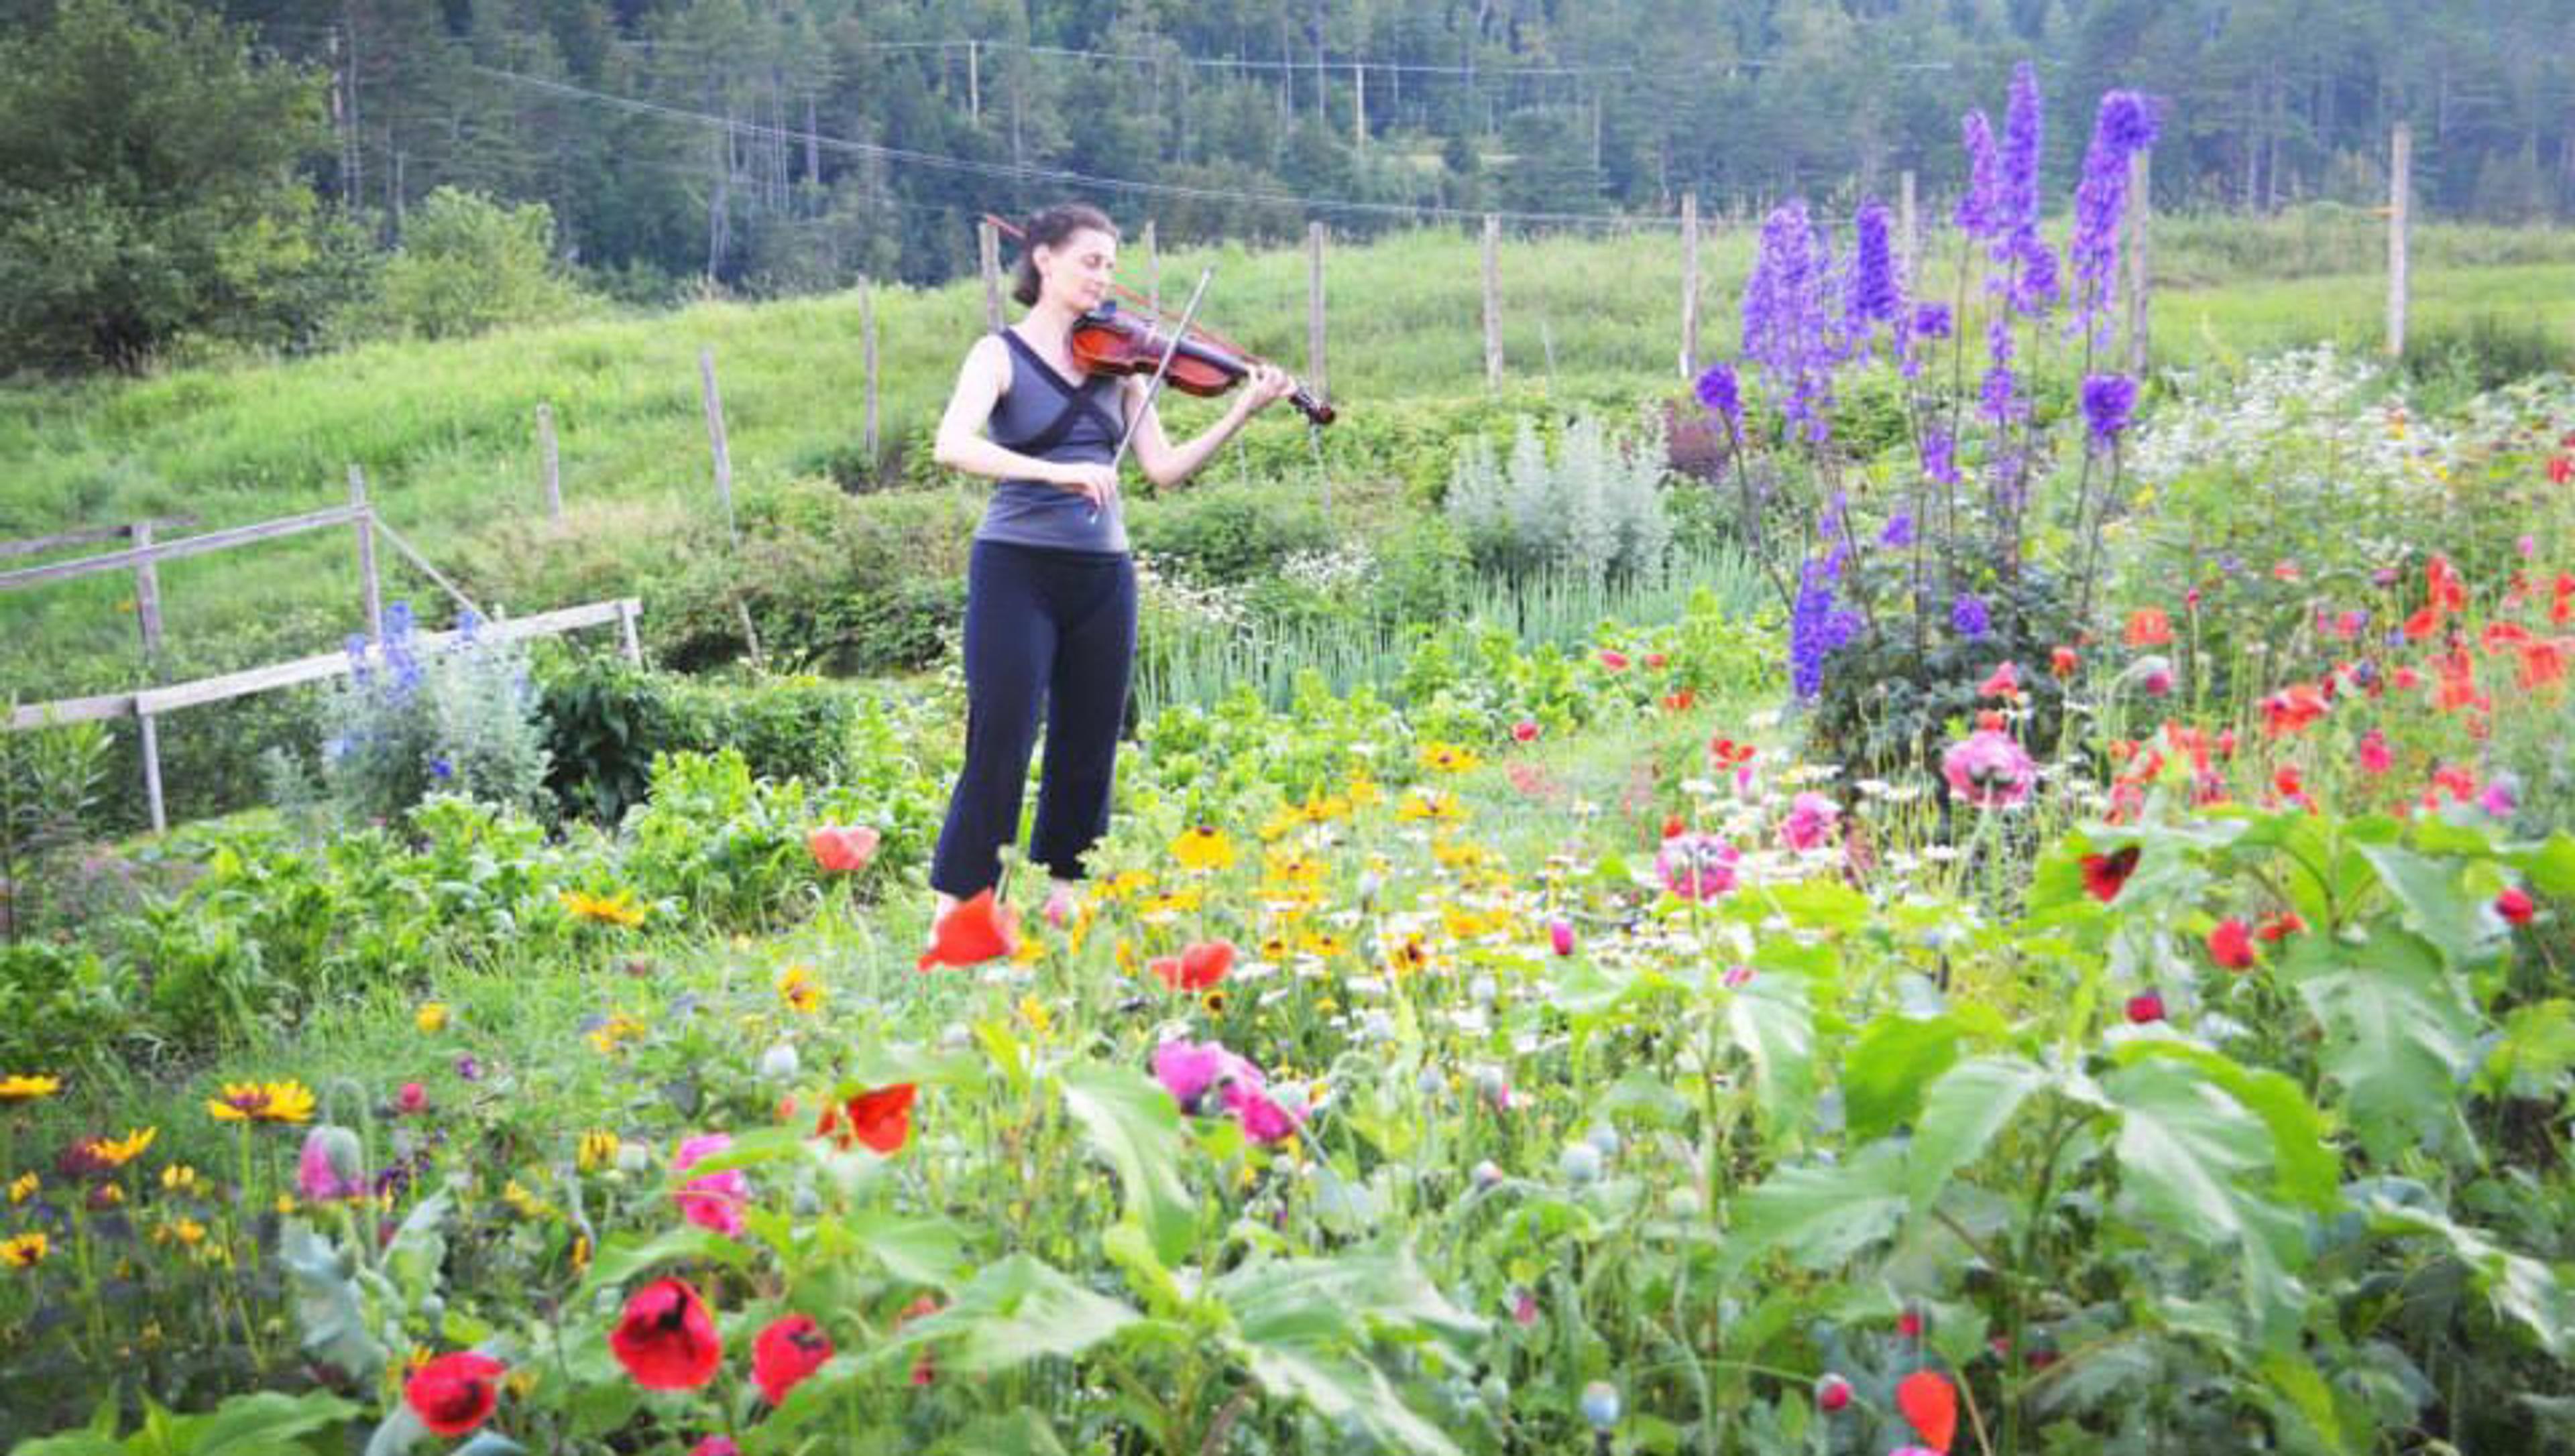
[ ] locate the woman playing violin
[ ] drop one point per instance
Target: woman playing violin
(1050, 586)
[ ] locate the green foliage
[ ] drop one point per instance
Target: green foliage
(468, 263)
(149, 190)
(49, 783)
(1594, 506)
(1224, 533)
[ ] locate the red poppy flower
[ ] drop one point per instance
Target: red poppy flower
(1653, 660)
(2280, 926)
(1673, 824)
(879, 1118)
(2516, 906)
(980, 930)
(1726, 752)
(2105, 875)
(792, 1348)
(1680, 701)
(1931, 1405)
(2149, 627)
(455, 1393)
(2061, 661)
(2145, 1006)
(1613, 659)
(2561, 469)
(2291, 709)
(1525, 731)
(843, 848)
(2230, 945)
(665, 1339)
(1196, 968)
(2003, 682)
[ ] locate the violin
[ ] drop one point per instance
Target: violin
(1106, 340)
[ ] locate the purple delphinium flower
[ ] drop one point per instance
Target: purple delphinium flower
(2018, 190)
(1816, 628)
(1970, 619)
(2108, 400)
(1785, 316)
(1899, 533)
(1721, 393)
(1980, 204)
(1928, 324)
(1940, 455)
(1873, 297)
(2123, 127)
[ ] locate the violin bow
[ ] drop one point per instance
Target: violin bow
(1161, 371)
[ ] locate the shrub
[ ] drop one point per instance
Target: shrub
(1220, 535)
(1592, 507)
(467, 265)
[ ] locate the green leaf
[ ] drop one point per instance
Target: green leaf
(625, 1255)
(1886, 1072)
(2532, 1056)
(2435, 907)
(1305, 1328)
(2396, 1040)
(1345, 1390)
(1131, 1121)
(1770, 1019)
(268, 1423)
(1961, 1115)
(1023, 1432)
(2308, 1171)
(1820, 903)
(2521, 1287)
(2550, 868)
(916, 1250)
(1018, 1310)
(327, 1308)
(1820, 1214)
(2186, 1150)
(2296, 1382)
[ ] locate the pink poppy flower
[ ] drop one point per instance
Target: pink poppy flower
(1990, 768)
(715, 1200)
(1697, 865)
(1810, 821)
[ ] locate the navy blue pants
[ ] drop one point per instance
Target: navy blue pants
(1050, 632)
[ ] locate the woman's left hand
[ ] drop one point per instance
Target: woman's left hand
(1267, 385)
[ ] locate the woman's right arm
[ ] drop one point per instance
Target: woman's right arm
(961, 445)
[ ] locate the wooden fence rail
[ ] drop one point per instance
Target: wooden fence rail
(148, 704)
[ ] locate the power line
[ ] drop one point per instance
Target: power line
(1022, 172)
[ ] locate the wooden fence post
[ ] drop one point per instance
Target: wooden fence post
(715, 439)
(147, 597)
(2400, 168)
(1492, 301)
(1909, 224)
(1689, 285)
(1315, 379)
(152, 771)
(625, 632)
(553, 461)
(868, 348)
(1153, 270)
(370, 587)
(2140, 205)
(987, 251)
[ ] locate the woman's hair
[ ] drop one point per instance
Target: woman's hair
(1050, 225)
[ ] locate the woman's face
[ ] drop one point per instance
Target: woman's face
(1076, 270)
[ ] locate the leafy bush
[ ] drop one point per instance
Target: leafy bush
(467, 265)
(49, 779)
(1592, 505)
(398, 728)
(1226, 534)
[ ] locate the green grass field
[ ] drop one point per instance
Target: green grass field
(446, 432)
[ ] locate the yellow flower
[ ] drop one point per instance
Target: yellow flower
(182, 1230)
(798, 989)
(1033, 1011)
(1126, 885)
(618, 1029)
(431, 1018)
(1214, 1001)
(1407, 956)
(24, 1187)
(1364, 791)
(1459, 853)
(1292, 866)
(25, 1251)
(598, 1150)
(1321, 942)
(1442, 758)
(1437, 806)
(285, 1205)
(617, 909)
(1322, 808)
(116, 1152)
(579, 1252)
(1168, 905)
(286, 1102)
(1281, 821)
(17, 1088)
(179, 1179)
(1204, 848)
(523, 1202)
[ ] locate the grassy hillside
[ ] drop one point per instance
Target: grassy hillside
(445, 431)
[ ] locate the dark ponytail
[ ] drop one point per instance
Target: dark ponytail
(1050, 225)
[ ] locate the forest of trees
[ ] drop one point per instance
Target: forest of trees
(785, 145)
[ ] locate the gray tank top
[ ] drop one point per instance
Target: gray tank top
(1044, 415)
